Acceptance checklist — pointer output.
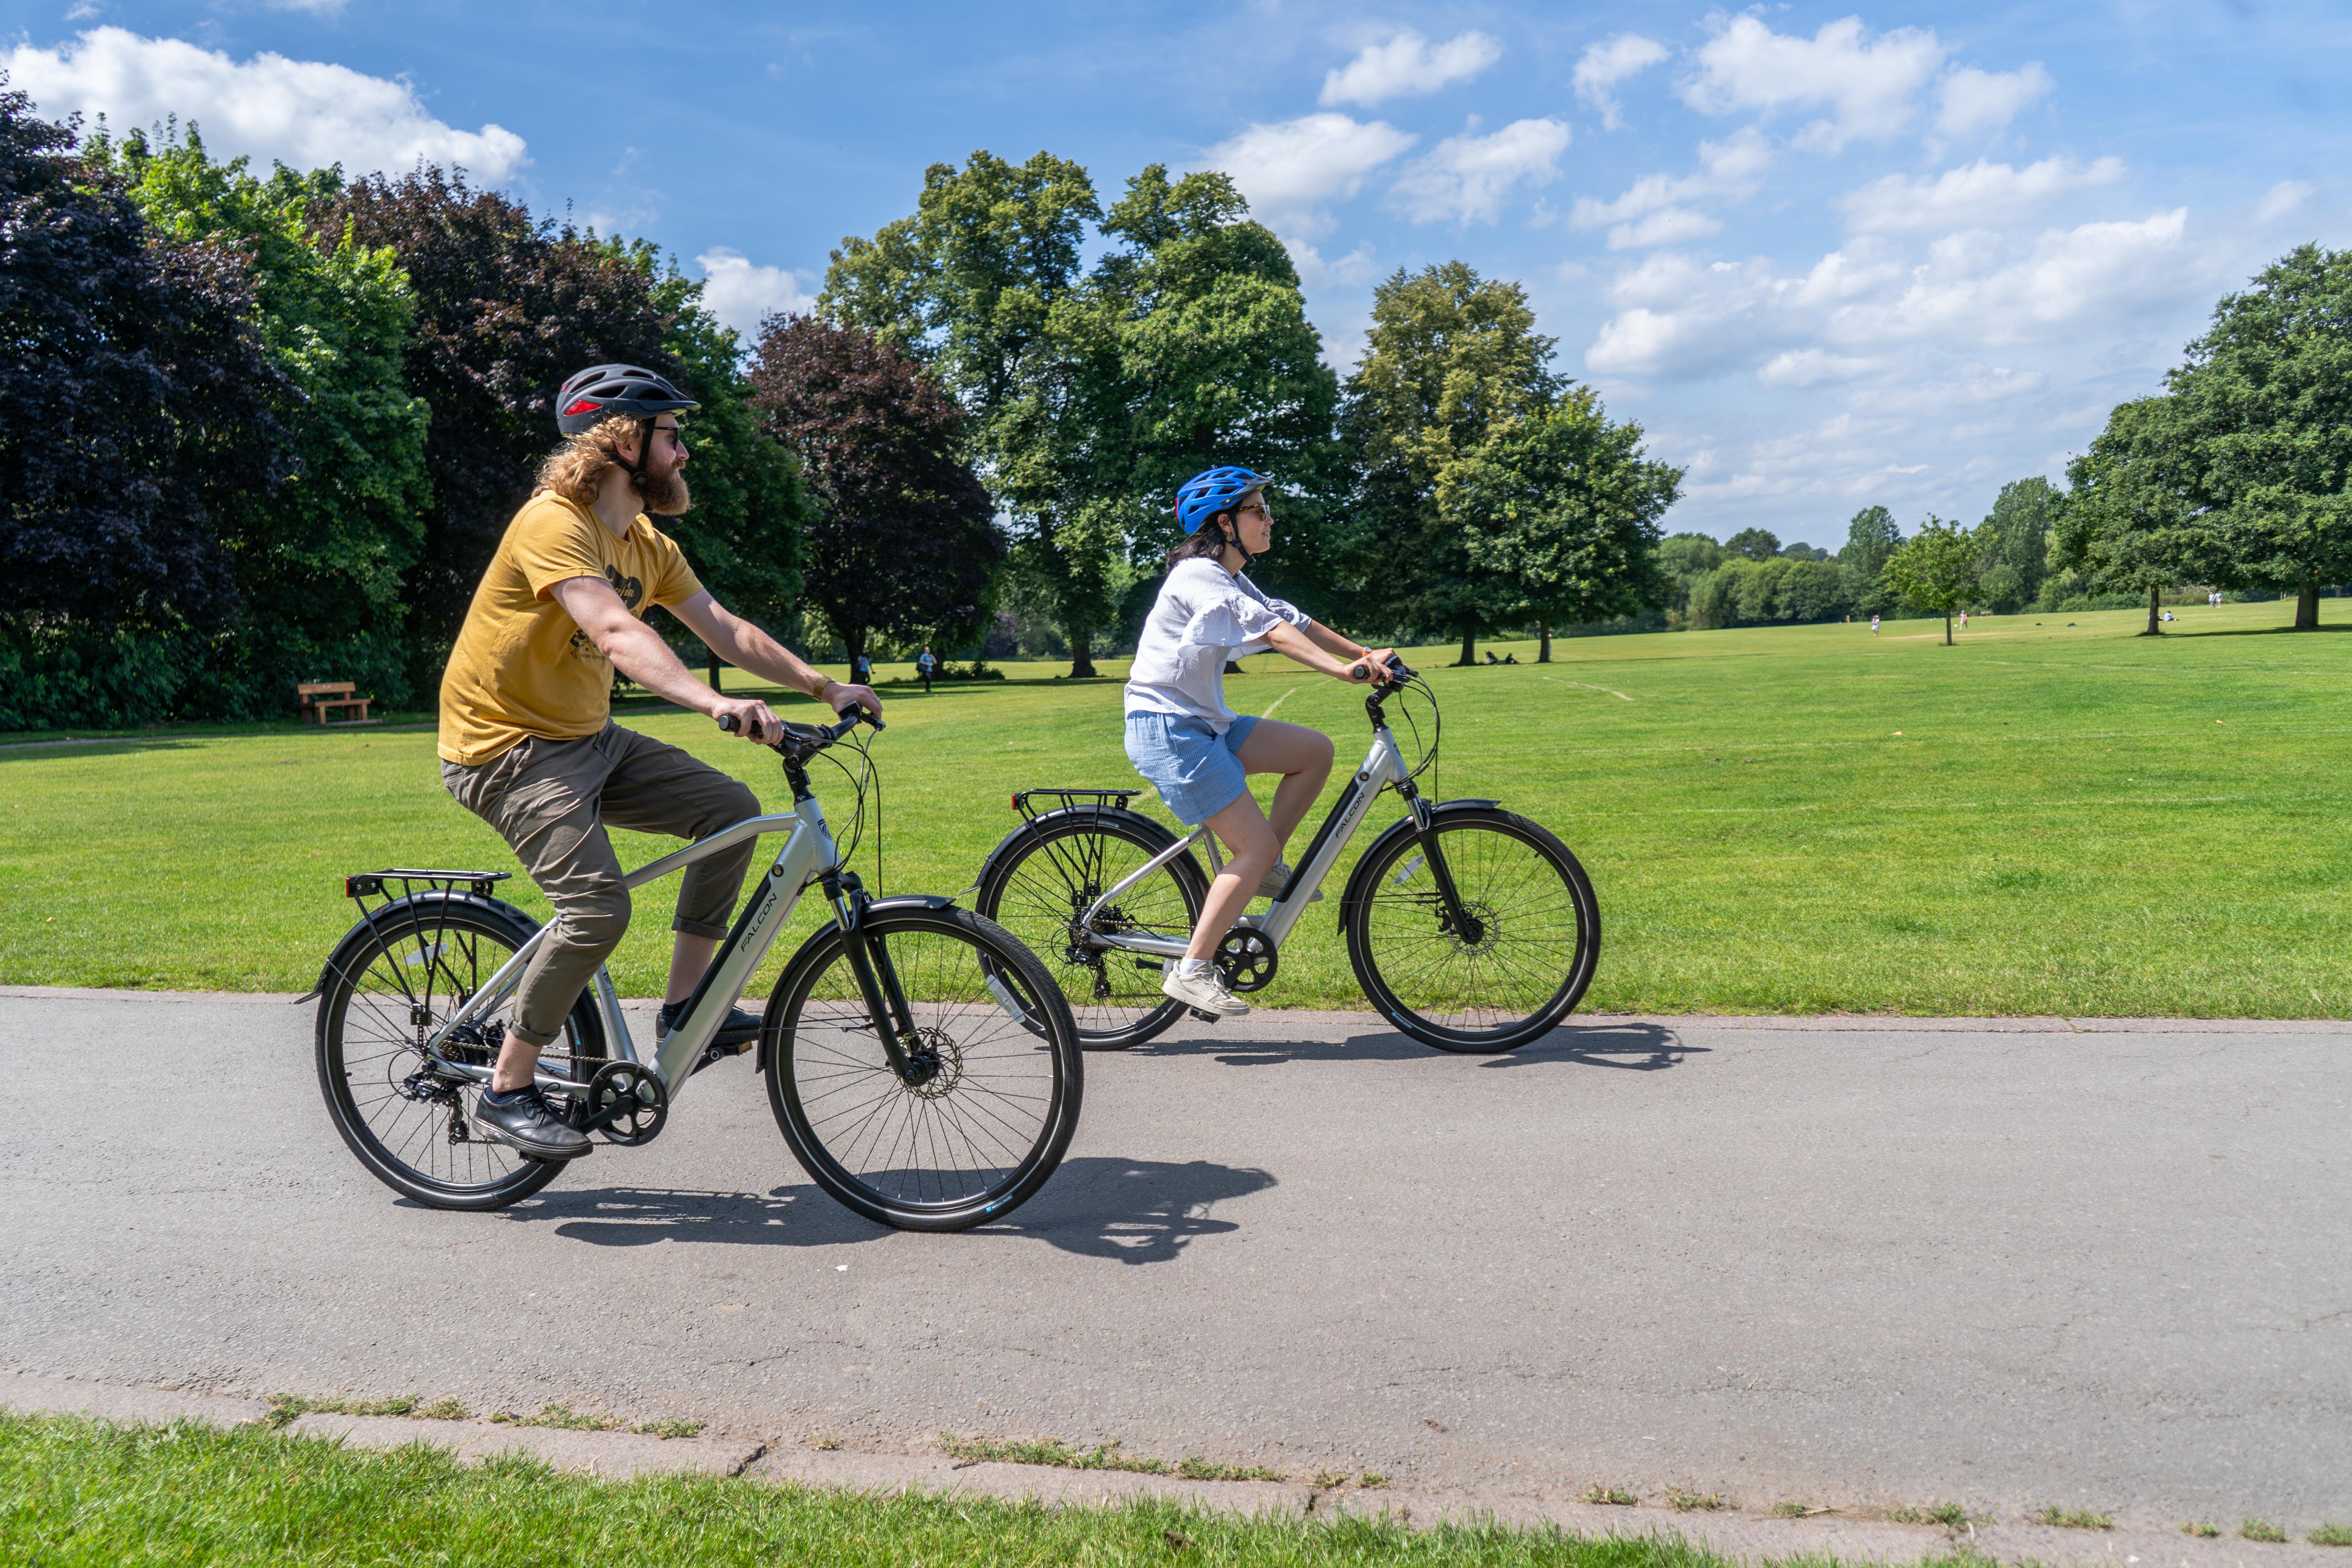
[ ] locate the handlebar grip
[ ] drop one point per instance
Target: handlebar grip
(1360, 670)
(871, 717)
(728, 722)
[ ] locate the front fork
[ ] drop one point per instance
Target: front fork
(1457, 918)
(878, 980)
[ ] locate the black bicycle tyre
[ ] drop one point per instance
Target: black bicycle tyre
(1043, 864)
(1379, 906)
(788, 1035)
(507, 1177)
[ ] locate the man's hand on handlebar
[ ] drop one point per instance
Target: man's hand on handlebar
(754, 720)
(845, 697)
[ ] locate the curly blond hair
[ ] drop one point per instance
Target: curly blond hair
(575, 470)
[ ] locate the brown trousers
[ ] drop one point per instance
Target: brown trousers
(552, 800)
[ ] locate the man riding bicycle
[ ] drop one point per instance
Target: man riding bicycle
(526, 740)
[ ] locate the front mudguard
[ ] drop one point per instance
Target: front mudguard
(1360, 881)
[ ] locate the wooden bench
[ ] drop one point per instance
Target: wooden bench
(319, 698)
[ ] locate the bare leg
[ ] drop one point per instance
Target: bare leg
(1303, 757)
(1248, 833)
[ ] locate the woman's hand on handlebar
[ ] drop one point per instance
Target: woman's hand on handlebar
(753, 720)
(1373, 668)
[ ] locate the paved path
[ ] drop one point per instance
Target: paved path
(2011, 1265)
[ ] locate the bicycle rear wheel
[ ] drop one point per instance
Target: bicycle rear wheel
(391, 984)
(986, 1120)
(1532, 941)
(1039, 890)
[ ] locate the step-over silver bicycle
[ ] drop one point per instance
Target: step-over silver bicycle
(920, 1062)
(1471, 928)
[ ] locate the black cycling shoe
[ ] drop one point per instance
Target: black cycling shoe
(526, 1125)
(740, 1029)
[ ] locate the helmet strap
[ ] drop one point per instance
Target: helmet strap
(636, 470)
(1234, 538)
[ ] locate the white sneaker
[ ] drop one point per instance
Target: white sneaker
(1205, 992)
(1271, 887)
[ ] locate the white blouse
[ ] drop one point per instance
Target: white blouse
(1203, 616)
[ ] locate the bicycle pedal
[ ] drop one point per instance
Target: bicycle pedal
(1206, 1017)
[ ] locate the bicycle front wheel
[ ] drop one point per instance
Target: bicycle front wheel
(1512, 970)
(980, 1121)
(1039, 891)
(409, 1121)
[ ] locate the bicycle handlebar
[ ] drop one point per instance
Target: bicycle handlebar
(811, 737)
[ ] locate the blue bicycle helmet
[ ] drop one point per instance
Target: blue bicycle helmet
(1210, 491)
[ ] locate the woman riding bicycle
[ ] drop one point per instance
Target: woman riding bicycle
(1191, 747)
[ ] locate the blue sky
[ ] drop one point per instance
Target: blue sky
(1827, 257)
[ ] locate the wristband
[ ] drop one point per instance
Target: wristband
(824, 684)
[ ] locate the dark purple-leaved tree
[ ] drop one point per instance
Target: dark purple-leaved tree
(141, 397)
(904, 544)
(507, 307)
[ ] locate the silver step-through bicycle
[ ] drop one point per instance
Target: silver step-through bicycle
(1471, 928)
(921, 1063)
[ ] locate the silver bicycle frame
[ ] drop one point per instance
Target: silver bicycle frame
(1383, 765)
(806, 854)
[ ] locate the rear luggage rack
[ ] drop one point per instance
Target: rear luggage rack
(1100, 799)
(369, 884)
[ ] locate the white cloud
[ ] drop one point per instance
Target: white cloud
(1467, 177)
(1976, 101)
(1676, 319)
(743, 294)
(1667, 226)
(1407, 66)
(1605, 64)
(1349, 271)
(1292, 170)
(1865, 83)
(2281, 199)
(1732, 168)
(1813, 367)
(1977, 195)
(304, 113)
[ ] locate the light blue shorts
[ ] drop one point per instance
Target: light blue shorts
(1197, 771)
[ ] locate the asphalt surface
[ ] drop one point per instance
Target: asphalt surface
(2011, 1267)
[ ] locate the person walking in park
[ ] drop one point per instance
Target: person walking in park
(526, 740)
(1874, 624)
(861, 669)
(925, 662)
(1193, 749)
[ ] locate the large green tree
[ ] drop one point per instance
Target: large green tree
(319, 562)
(2264, 407)
(2136, 519)
(1561, 506)
(970, 282)
(1189, 346)
(1450, 357)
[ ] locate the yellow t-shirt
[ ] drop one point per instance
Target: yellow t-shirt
(522, 666)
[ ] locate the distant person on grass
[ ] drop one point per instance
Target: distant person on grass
(925, 662)
(528, 744)
(1191, 747)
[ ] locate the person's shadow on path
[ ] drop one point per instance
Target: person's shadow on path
(1133, 1211)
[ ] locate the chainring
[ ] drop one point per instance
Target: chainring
(626, 1103)
(1246, 960)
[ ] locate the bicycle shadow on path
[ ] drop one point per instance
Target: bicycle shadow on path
(1131, 1211)
(1640, 1047)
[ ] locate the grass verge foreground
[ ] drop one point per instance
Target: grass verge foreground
(79, 1491)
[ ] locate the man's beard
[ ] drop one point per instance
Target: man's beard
(665, 495)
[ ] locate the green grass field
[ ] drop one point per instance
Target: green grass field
(2049, 817)
(71, 1492)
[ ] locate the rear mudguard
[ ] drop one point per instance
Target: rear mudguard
(1029, 833)
(391, 917)
(1360, 885)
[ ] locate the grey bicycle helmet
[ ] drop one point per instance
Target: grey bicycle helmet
(601, 391)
